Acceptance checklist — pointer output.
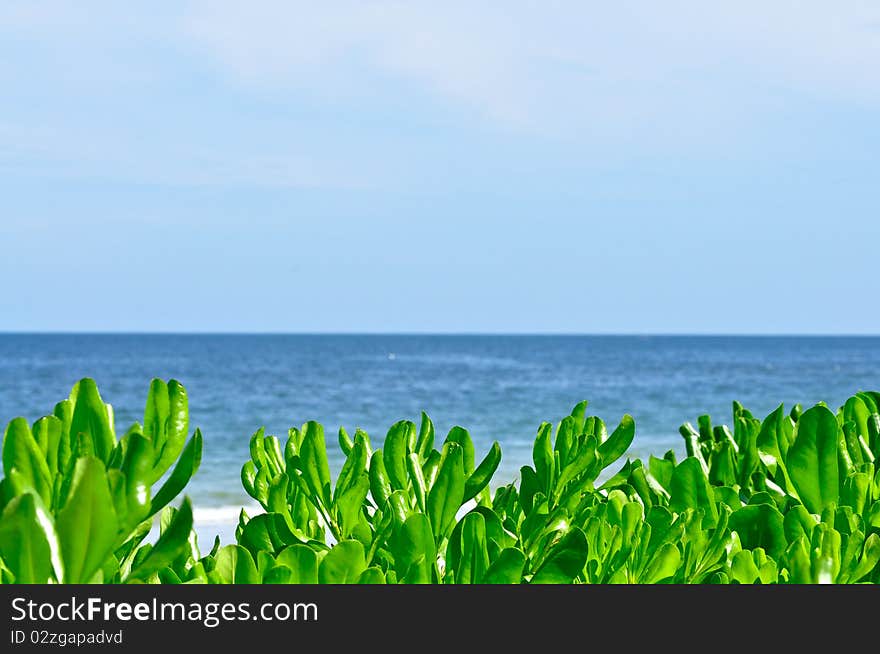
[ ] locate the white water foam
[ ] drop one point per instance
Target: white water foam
(222, 515)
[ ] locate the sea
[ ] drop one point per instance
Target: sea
(497, 387)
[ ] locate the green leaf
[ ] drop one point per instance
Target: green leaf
(661, 470)
(425, 442)
(578, 415)
(64, 412)
(869, 560)
(594, 425)
(274, 457)
(267, 532)
(474, 559)
(746, 434)
(372, 575)
(743, 569)
(414, 550)
(692, 445)
(463, 438)
(722, 465)
(581, 467)
(258, 452)
(186, 467)
(398, 506)
(137, 466)
(773, 443)
(92, 417)
(235, 565)
(355, 464)
(542, 455)
(380, 485)
(565, 438)
(760, 525)
(313, 459)
(529, 487)
(21, 452)
(797, 523)
(172, 543)
(690, 489)
(302, 562)
(395, 453)
(856, 491)
(177, 426)
(417, 479)
(87, 524)
(156, 417)
(248, 478)
(431, 467)
(507, 568)
(663, 565)
(565, 561)
(619, 441)
(812, 459)
(481, 477)
(47, 434)
(28, 543)
(345, 442)
(343, 564)
(348, 505)
(447, 494)
(857, 411)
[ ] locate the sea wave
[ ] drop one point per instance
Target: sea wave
(222, 515)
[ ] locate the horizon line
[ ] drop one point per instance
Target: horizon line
(644, 334)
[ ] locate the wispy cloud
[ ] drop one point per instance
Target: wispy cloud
(528, 64)
(209, 91)
(112, 93)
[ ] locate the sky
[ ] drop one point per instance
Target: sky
(583, 167)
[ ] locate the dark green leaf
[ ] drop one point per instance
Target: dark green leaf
(760, 525)
(565, 561)
(507, 568)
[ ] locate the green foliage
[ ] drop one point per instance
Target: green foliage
(76, 502)
(793, 498)
(790, 499)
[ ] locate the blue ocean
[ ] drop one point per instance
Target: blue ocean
(498, 387)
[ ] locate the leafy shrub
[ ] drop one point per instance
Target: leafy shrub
(794, 498)
(76, 503)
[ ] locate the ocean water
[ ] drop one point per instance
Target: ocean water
(498, 387)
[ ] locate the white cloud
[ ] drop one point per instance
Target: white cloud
(446, 48)
(95, 94)
(603, 80)
(529, 63)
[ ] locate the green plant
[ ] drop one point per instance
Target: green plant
(793, 498)
(392, 510)
(76, 502)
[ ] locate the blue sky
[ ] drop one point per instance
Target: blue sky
(434, 167)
